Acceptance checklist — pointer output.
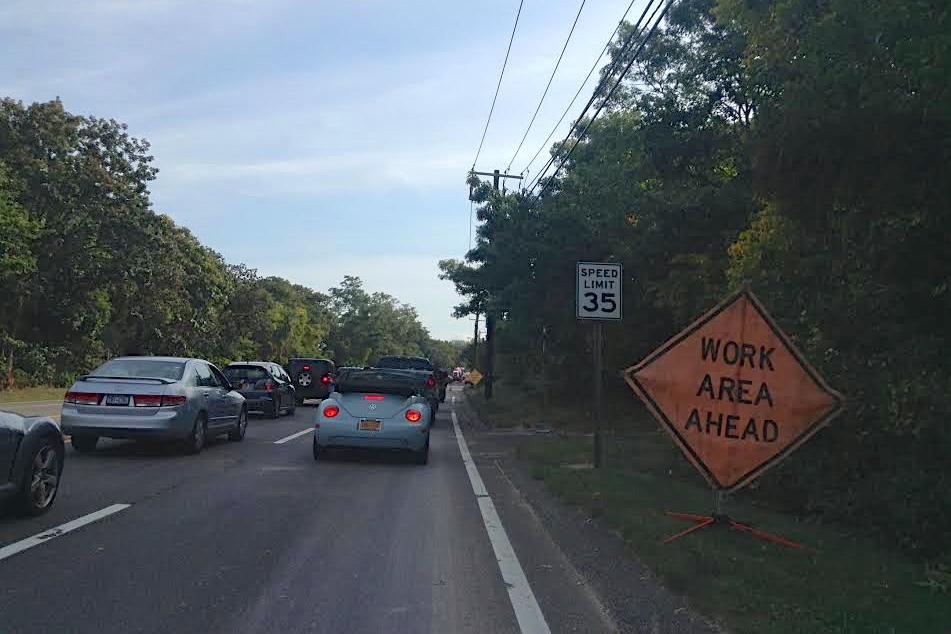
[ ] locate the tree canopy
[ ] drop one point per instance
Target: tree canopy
(88, 270)
(803, 146)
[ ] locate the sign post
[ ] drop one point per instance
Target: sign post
(599, 298)
(736, 396)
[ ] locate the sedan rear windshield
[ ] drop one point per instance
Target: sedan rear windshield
(237, 373)
(141, 368)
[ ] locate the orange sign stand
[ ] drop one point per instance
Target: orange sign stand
(736, 396)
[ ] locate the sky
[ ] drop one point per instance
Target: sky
(312, 139)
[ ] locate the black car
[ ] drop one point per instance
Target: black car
(436, 387)
(312, 378)
(265, 386)
(31, 461)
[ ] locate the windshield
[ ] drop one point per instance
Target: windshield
(141, 368)
(238, 373)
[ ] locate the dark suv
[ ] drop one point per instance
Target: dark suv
(312, 378)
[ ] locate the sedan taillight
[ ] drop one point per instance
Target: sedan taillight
(83, 398)
(154, 400)
(331, 411)
(413, 416)
(147, 400)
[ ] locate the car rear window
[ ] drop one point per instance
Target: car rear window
(404, 363)
(237, 373)
(141, 368)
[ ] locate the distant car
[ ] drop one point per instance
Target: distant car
(457, 375)
(265, 386)
(375, 409)
(31, 461)
(167, 398)
(311, 377)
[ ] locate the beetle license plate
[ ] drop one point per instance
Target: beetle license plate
(370, 425)
(117, 399)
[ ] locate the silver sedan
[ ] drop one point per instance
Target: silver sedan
(168, 398)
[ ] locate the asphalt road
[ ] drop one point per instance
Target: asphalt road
(258, 537)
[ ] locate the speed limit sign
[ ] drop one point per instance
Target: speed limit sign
(599, 291)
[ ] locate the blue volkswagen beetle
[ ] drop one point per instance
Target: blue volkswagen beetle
(374, 408)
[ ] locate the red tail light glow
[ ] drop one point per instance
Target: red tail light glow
(325, 379)
(413, 416)
(154, 400)
(147, 400)
(83, 398)
(331, 411)
(373, 397)
(431, 382)
(268, 386)
(306, 368)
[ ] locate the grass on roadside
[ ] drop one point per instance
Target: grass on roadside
(847, 586)
(27, 394)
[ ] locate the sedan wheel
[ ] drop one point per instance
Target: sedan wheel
(196, 442)
(237, 434)
(42, 479)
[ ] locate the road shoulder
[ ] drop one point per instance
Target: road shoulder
(556, 542)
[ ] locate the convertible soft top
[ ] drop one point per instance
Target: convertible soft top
(380, 380)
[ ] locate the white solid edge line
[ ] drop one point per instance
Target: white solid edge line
(529, 615)
(62, 529)
(293, 436)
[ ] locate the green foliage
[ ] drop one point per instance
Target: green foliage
(89, 271)
(802, 145)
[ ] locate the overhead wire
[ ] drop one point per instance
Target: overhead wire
(545, 93)
(607, 98)
(501, 74)
(581, 87)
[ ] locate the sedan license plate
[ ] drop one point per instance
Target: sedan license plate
(117, 399)
(370, 425)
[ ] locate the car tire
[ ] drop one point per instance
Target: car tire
(292, 408)
(275, 410)
(422, 456)
(196, 440)
(300, 402)
(318, 450)
(41, 477)
(84, 444)
(237, 434)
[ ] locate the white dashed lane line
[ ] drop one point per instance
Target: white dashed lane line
(293, 436)
(62, 529)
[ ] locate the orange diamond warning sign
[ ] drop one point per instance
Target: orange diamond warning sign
(734, 392)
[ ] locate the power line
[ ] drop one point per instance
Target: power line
(550, 79)
(615, 64)
(607, 99)
(581, 87)
(609, 95)
(501, 74)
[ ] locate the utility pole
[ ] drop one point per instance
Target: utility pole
(475, 342)
(489, 311)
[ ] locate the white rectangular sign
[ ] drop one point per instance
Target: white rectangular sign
(599, 290)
